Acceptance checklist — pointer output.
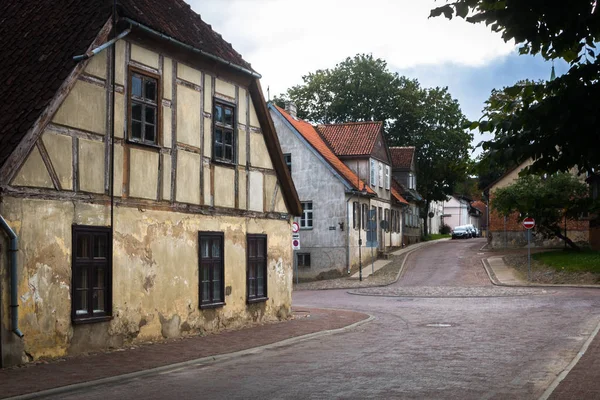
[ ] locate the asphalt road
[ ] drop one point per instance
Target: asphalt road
(441, 332)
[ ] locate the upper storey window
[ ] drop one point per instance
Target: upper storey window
(143, 112)
(224, 132)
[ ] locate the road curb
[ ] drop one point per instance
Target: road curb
(195, 362)
(571, 365)
(495, 281)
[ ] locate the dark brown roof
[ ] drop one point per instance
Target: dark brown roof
(176, 19)
(351, 139)
(40, 38)
(402, 156)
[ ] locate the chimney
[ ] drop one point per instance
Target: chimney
(290, 107)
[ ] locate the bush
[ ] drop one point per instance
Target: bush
(445, 229)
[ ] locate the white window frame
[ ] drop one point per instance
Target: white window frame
(380, 175)
(307, 218)
(373, 174)
(387, 177)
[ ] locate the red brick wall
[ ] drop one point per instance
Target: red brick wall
(513, 224)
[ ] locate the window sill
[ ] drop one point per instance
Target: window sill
(257, 300)
(212, 305)
(224, 163)
(143, 144)
(91, 320)
(306, 229)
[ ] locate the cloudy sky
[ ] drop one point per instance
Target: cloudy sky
(286, 39)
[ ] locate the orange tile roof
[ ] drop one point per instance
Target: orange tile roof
(310, 134)
(396, 189)
(352, 138)
(402, 156)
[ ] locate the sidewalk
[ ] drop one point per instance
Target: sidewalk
(81, 369)
(581, 379)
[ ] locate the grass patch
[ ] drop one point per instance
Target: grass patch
(571, 261)
(436, 236)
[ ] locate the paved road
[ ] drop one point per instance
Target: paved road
(454, 336)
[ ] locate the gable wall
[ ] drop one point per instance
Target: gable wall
(315, 181)
(180, 168)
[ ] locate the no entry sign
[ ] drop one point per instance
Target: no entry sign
(528, 223)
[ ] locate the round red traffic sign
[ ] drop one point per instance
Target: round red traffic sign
(528, 223)
(295, 242)
(295, 227)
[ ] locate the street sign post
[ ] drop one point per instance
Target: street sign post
(529, 224)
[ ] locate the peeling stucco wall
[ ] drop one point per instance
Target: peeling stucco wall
(155, 275)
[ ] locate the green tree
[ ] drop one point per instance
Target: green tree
(549, 200)
(363, 89)
(556, 122)
(436, 129)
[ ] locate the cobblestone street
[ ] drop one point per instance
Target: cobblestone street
(442, 331)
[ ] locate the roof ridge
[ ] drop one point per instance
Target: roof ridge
(352, 123)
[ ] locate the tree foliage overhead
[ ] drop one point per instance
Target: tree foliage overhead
(362, 88)
(555, 122)
(548, 200)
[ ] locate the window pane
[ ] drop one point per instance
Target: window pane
(216, 290)
(136, 130)
(260, 248)
(260, 283)
(218, 113)
(136, 86)
(83, 246)
(228, 153)
(218, 135)
(252, 248)
(81, 278)
(99, 278)
(218, 150)
(216, 248)
(206, 291)
(150, 89)
(150, 115)
(100, 246)
(216, 272)
(205, 274)
(136, 112)
(228, 116)
(81, 307)
(204, 248)
(251, 270)
(150, 133)
(229, 137)
(98, 301)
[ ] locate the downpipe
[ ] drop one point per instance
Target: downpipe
(14, 303)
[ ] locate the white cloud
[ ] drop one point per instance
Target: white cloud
(285, 39)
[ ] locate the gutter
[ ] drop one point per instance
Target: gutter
(14, 303)
(193, 49)
(98, 49)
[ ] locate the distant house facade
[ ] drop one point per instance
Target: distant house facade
(404, 171)
(341, 172)
(190, 231)
(459, 210)
(507, 231)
